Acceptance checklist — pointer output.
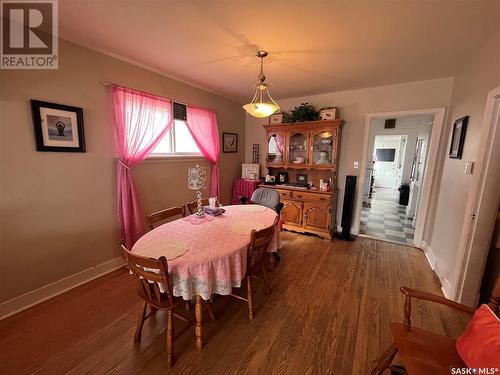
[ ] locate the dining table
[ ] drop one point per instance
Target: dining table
(207, 255)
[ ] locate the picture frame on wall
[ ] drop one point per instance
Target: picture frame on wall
(58, 127)
(229, 142)
(458, 137)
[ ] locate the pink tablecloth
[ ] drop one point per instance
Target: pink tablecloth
(215, 261)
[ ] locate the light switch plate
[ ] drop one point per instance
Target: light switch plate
(469, 167)
(356, 164)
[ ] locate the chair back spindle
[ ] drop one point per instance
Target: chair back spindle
(152, 277)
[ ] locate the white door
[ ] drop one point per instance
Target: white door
(387, 173)
(417, 175)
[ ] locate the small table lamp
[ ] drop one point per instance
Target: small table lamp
(196, 181)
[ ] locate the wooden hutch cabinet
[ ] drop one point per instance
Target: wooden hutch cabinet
(305, 151)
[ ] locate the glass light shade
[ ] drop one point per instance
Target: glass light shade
(262, 104)
(261, 109)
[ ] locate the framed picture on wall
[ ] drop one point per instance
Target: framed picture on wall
(229, 142)
(458, 137)
(58, 127)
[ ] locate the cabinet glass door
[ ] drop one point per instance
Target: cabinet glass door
(323, 152)
(275, 148)
(297, 149)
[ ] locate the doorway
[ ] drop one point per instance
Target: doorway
(398, 168)
(383, 216)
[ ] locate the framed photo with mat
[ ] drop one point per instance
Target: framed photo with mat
(229, 142)
(58, 127)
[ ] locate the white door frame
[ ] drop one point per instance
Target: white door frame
(431, 162)
(482, 208)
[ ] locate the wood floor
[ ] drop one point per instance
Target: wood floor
(328, 314)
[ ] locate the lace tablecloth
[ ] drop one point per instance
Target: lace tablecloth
(215, 260)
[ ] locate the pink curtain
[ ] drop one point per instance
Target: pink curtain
(279, 143)
(202, 124)
(141, 120)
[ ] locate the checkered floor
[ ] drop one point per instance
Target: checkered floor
(385, 218)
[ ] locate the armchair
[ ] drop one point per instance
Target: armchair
(424, 352)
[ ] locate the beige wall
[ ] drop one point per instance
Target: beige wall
(469, 98)
(57, 210)
(354, 105)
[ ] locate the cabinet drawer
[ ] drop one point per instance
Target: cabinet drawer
(284, 193)
(324, 198)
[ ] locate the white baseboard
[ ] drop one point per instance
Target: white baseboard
(431, 259)
(36, 296)
(446, 289)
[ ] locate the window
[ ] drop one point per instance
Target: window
(177, 142)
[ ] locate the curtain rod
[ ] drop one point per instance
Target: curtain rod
(112, 84)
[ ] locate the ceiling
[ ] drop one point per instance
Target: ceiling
(315, 46)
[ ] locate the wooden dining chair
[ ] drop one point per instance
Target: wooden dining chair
(256, 256)
(423, 352)
(155, 290)
(269, 198)
(193, 206)
(160, 216)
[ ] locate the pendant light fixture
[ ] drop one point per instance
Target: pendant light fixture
(262, 104)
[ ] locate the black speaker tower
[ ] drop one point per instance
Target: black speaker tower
(347, 210)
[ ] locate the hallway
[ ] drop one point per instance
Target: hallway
(385, 219)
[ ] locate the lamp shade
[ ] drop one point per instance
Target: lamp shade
(262, 104)
(197, 178)
(261, 109)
